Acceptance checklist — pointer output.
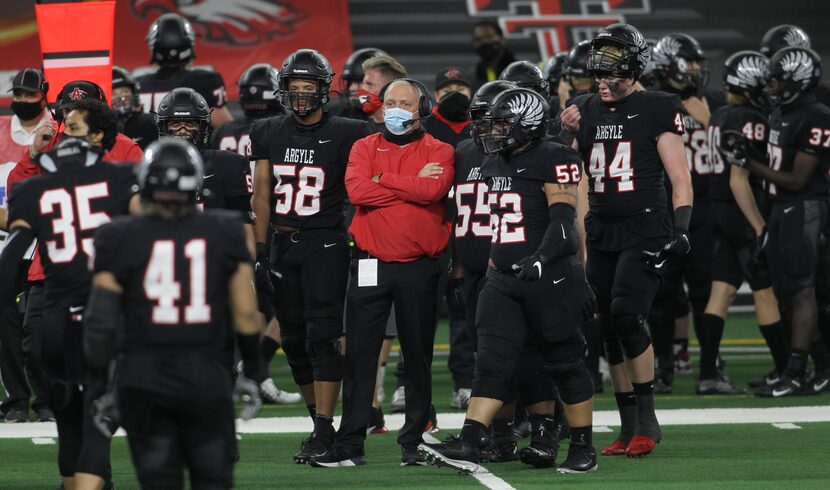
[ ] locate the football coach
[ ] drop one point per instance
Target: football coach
(398, 181)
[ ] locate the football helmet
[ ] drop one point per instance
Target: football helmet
(744, 74)
(184, 104)
(353, 69)
(516, 116)
(480, 104)
(526, 75)
(172, 40)
(171, 171)
(70, 151)
(791, 74)
(305, 64)
(576, 70)
(782, 36)
(672, 57)
(258, 86)
(122, 78)
(619, 50)
(554, 69)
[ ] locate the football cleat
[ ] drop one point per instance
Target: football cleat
(411, 457)
(44, 415)
(337, 457)
(500, 448)
(640, 446)
(544, 442)
(717, 386)
(398, 404)
(314, 445)
(452, 453)
(786, 386)
(461, 398)
(271, 394)
(581, 459)
(616, 448)
(821, 381)
(377, 423)
(770, 379)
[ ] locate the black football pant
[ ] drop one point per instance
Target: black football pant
(81, 447)
(461, 361)
(168, 434)
(309, 302)
(15, 361)
(411, 287)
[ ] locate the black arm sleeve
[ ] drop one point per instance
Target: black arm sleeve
(11, 260)
(682, 217)
(249, 352)
(560, 236)
(101, 325)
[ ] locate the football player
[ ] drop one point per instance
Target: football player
(579, 80)
(679, 67)
(179, 277)
(132, 120)
(553, 70)
(630, 140)
(472, 234)
(257, 97)
(62, 209)
(535, 285)
(300, 166)
(737, 223)
(795, 170)
(172, 43)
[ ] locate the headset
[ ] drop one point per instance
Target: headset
(424, 101)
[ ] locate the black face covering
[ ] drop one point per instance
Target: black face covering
(26, 111)
(454, 106)
(489, 51)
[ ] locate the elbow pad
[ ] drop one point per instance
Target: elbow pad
(10, 260)
(101, 324)
(560, 237)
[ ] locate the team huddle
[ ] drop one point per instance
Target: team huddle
(583, 208)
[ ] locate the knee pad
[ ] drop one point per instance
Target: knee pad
(613, 351)
(573, 381)
(294, 346)
(323, 327)
(632, 334)
(535, 388)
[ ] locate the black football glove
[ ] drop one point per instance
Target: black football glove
(734, 148)
(529, 268)
(265, 272)
(247, 392)
(759, 252)
(589, 306)
(106, 416)
(677, 246)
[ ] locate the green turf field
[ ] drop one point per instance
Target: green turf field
(756, 455)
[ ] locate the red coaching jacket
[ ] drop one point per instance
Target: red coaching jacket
(400, 218)
(124, 150)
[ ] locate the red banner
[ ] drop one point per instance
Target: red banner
(231, 34)
(68, 56)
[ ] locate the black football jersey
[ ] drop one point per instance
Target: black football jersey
(228, 182)
(750, 121)
(519, 209)
(64, 209)
(618, 143)
(696, 139)
(141, 127)
(804, 128)
(472, 229)
(175, 276)
(154, 86)
(308, 168)
(233, 136)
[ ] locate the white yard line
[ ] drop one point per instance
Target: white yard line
(484, 477)
(701, 416)
(786, 425)
(43, 441)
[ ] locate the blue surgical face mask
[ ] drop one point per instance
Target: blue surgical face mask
(394, 118)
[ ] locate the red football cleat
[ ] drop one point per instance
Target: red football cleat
(616, 448)
(639, 446)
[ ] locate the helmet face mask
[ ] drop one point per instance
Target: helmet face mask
(516, 117)
(680, 64)
(619, 50)
(302, 102)
(791, 75)
(501, 135)
(481, 103)
(180, 105)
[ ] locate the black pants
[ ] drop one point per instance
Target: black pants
(15, 361)
(795, 229)
(81, 447)
(309, 300)
(461, 361)
(167, 434)
(411, 286)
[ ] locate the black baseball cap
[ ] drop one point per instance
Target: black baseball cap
(450, 74)
(29, 79)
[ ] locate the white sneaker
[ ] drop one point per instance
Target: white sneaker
(379, 384)
(398, 400)
(272, 394)
(461, 398)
